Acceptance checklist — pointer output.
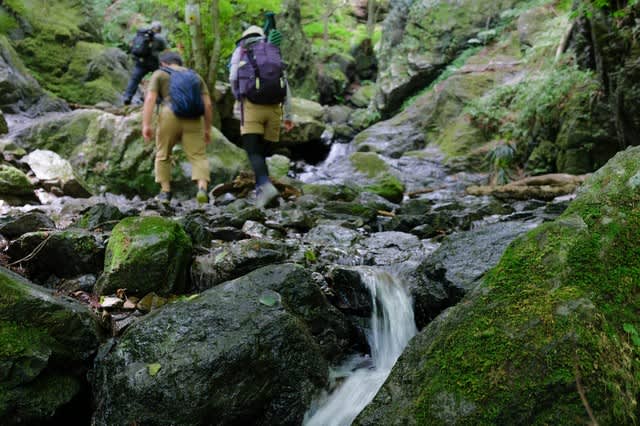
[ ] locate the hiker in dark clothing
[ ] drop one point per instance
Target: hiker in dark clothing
(146, 48)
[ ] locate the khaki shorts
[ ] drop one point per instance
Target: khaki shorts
(262, 119)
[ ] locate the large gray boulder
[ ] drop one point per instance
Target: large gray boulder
(46, 346)
(239, 353)
(421, 37)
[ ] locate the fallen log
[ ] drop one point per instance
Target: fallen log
(543, 187)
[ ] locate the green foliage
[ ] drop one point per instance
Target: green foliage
(632, 331)
(500, 160)
(532, 111)
(235, 16)
(344, 31)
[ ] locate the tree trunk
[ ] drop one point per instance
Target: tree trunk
(215, 54)
(372, 17)
(197, 39)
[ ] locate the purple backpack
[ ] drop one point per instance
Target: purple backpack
(261, 78)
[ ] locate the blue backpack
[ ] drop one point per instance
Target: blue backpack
(185, 93)
(261, 77)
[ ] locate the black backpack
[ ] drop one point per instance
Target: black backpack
(185, 93)
(142, 43)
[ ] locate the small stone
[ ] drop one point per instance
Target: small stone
(150, 302)
(110, 302)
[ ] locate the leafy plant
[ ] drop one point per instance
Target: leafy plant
(501, 160)
(631, 330)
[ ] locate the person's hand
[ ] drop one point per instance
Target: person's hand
(207, 137)
(288, 125)
(147, 133)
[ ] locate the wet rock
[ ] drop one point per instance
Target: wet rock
(146, 254)
(307, 116)
(49, 166)
(376, 202)
(13, 226)
(83, 283)
(102, 215)
(65, 254)
(457, 266)
(392, 248)
(333, 235)
(243, 347)
(296, 218)
(228, 261)
(352, 212)
(47, 345)
(351, 295)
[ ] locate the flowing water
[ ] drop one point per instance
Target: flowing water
(392, 326)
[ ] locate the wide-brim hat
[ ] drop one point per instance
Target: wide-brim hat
(253, 30)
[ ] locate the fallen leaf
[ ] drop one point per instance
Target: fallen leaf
(153, 368)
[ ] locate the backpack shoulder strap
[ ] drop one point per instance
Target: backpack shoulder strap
(252, 59)
(167, 70)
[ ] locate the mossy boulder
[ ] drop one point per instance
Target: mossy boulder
(146, 254)
(19, 91)
(62, 50)
(307, 116)
(377, 171)
(556, 318)
(107, 151)
(362, 97)
(422, 37)
(279, 166)
(94, 74)
(332, 192)
(332, 83)
(46, 346)
(14, 185)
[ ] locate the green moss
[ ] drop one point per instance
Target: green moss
(552, 313)
(389, 187)
(14, 182)
(333, 192)
(146, 254)
(7, 22)
(368, 163)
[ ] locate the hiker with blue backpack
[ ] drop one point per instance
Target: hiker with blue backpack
(185, 115)
(261, 90)
(146, 47)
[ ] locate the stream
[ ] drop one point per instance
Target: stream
(358, 380)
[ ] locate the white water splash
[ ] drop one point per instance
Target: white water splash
(392, 326)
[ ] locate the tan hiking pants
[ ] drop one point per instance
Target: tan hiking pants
(173, 130)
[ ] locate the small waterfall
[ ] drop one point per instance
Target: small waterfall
(392, 326)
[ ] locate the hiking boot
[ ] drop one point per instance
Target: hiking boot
(163, 196)
(201, 197)
(126, 101)
(265, 194)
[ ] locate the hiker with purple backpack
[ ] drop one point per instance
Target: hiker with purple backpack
(260, 88)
